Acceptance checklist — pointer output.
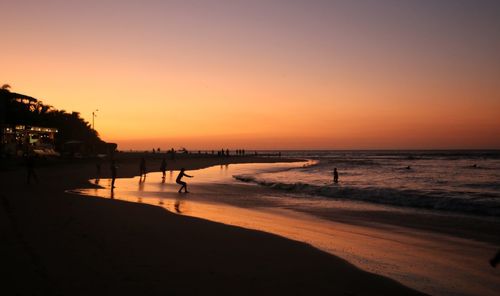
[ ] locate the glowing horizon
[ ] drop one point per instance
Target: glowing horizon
(264, 74)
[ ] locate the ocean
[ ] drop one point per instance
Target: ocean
(428, 219)
(456, 181)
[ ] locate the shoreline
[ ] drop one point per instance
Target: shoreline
(65, 244)
(423, 244)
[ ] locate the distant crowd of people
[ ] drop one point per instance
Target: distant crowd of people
(222, 152)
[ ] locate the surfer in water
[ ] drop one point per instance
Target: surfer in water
(335, 176)
(180, 182)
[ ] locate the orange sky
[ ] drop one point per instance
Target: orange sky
(266, 74)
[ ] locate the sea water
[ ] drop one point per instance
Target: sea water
(457, 181)
(282, 198)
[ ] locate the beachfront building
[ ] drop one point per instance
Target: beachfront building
(17, 140)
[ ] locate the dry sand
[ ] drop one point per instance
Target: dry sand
(55, 243)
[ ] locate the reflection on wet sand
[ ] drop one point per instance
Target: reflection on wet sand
(428, 261)
(422, 260)
(177, 205)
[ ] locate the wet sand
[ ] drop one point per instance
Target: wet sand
(58, 243)
(436, 252)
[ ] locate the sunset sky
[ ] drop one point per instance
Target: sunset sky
(381, 74)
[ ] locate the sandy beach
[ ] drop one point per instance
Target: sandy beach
(436, 252)
(57, 243)
(231, 147)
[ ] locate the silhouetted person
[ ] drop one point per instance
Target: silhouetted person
(494, 261)
(142, 167)
(30, 168)
(227, 152)
(163, 167)
(335, 176)
(180, 182)
(98, 167)
(112, 167)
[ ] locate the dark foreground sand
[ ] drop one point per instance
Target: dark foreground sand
(55, 243)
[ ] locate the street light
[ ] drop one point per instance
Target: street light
(93, 116)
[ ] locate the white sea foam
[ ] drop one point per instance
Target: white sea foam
(467, 182)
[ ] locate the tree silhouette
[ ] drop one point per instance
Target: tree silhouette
(17, 108)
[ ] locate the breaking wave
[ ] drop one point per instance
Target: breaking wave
(483, 204)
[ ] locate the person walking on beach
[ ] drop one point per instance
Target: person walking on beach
(180, 182)
(98, 168)
(113, 173)
(335, 176)
(163, 167)
(30, 167)
(142, 167)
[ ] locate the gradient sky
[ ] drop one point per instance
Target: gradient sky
(380, 74)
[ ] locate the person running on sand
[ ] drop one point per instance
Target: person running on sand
(180, 182)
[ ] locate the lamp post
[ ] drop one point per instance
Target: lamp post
(94, 115)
